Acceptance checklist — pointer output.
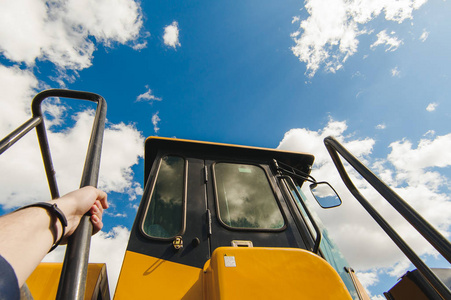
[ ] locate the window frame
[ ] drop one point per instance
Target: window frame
(149, 194)
(276, 198)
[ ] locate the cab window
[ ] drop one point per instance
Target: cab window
(245, 198)
(165, 212)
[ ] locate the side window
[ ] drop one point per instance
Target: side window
(245, 198)
(301, 208)
(328, 248)
(164, 217)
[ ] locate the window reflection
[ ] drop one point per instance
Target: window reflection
(245, 197)
(165, 212)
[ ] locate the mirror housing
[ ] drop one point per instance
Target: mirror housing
(325, 194)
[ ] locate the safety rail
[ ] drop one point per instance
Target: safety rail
(437, 240)
(75, 266)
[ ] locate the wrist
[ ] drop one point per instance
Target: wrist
(58, 220)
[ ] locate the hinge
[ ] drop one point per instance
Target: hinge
(206, 174)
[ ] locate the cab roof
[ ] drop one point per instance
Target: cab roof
(208, 150)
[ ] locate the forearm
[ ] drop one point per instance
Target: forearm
(26, 235)
(25, 238)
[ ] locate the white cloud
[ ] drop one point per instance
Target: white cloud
(140, 46)
(19, 85)
(424, 35)
(171, 35)
(26, 182)
(148, 96)
(391, 42)
(413, 173)
(368, 278)
(106, 247)
(330, 33)
(429, 133)
(395, 72)
(359, 93)
(155, 120)
(400, 268)
(295, 19)
(122, 147)
(60, 31)
(381, 126)
(432, 106)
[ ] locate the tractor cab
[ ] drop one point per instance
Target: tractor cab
(221, 221)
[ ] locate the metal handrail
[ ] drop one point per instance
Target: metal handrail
(74, 273)
(437, 240)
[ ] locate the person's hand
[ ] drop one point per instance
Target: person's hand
(75, 204)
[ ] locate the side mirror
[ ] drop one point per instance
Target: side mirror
(325, 194)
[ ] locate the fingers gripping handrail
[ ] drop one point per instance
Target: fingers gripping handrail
(437, 240)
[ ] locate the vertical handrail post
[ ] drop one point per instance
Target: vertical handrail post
(72, 283)
(43, 141)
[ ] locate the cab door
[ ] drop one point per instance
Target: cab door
(247, 207)
(172, 218)
(168, 244)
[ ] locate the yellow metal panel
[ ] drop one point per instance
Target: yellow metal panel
(43, 282)
(147, 277)
(271, 273)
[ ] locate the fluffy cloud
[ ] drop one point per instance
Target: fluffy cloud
(19, 85)
(155, 120)
(412, 172)
(106, 247)
(395, 72)
(329, 36)
(391, 42)
(424, 35)
(367, 278)
(148, 96)
(60, 31)
(431, 106)
(171, 35)
(122, 147)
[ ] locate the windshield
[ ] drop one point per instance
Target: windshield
(245, 197)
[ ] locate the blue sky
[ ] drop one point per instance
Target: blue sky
(268, 74)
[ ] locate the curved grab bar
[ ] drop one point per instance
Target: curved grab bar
(437, 240)
(74, 272)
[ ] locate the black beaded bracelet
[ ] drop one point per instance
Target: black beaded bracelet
(54, 210)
